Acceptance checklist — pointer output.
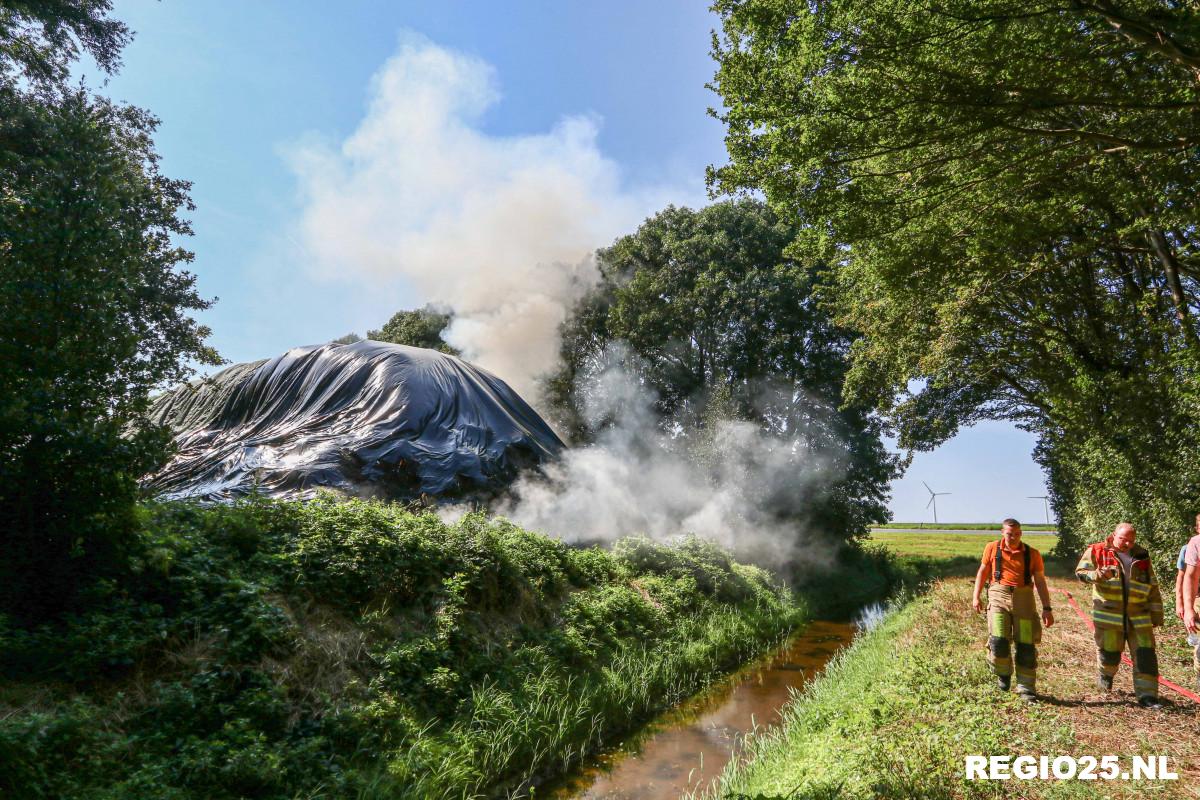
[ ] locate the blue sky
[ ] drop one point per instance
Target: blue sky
(303, 126)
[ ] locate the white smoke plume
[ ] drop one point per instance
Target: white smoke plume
(638, 479)
(498, 229)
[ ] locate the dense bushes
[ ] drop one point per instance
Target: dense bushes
(356, 649)
(1147, 476)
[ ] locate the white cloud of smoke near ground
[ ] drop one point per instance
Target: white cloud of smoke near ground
(635, 480)
(497, 228)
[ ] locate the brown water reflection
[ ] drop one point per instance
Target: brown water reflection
(687, 748)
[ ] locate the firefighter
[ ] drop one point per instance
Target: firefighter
(1015, 569)
(1126, 608)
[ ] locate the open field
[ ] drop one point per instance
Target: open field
(910, 700)
(990, 533)
(950, 545)
(962, 526)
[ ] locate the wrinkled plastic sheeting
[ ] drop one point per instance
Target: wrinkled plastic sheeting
(367, 419)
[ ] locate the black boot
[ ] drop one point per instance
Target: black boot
(1149, 701)
(1104, 681)
(1004, 681)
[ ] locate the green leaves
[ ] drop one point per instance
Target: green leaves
(39, 40)
(94, 312)
(717, 313)
(421, 327)
(1003, 191)
(294, 649)
(95, 316)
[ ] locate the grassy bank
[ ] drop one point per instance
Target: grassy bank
(896, 715)
(328, 650)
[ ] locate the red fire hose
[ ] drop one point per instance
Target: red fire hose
(1125, 656)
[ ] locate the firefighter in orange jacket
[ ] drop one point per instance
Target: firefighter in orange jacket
(1126, 608)
(1015, 570)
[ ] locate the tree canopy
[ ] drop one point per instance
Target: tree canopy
(720, 323)
(39, 39)
(418, 327)
(95, 313)
(1005, 193)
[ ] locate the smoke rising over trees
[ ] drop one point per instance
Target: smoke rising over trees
(703, 319)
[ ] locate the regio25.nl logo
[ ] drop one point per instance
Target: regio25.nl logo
(1065, 768)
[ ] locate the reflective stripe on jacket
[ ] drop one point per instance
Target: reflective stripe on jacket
(1116, 600)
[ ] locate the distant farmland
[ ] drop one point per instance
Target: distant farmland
(950, 545)
(961, 526)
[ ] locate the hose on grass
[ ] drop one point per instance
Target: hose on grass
(1125, 656)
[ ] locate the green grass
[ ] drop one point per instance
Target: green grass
(895, 715)
(356, 650)
(945, 555)
(950, 545)
(964, 526)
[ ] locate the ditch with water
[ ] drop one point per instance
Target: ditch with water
(686, 748)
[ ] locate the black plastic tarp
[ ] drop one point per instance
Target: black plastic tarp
(367, 419)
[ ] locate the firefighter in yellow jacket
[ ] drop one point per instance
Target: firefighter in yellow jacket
(1126, 608)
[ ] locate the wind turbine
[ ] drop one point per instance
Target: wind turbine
(1044, 499)
(933, 496)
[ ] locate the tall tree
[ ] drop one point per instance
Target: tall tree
(1005, 191)
(93, 310)
(418, 327)
(721, 324)
(40, 39)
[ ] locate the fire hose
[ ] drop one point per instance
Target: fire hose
(1125, 656)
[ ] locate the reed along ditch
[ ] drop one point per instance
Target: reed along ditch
(686, 748)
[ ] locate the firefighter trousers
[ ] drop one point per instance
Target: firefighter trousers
(1137, 634)
(1015, 630)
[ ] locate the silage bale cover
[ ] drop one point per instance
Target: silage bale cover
(367, 419)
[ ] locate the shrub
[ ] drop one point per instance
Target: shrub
(333, 649)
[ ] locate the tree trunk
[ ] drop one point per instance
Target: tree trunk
(1166, 257)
